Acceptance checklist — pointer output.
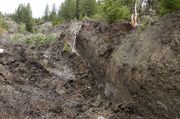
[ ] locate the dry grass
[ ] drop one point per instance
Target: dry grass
(2, 30)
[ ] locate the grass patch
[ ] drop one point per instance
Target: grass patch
(66, 48)
(3, 25)
(34, 39)
(167, 6)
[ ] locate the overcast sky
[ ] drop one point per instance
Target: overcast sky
(38, 6)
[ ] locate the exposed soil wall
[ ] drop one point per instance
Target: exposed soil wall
(141, 69)
(121, 73)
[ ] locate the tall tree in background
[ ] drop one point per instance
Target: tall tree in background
(77, 9)
(46, 13)
(115, 10)
(28, 18)
(88, 7)
(72, 9)
(59, 11)
(68, 10)
(53, 15)
(24, 15)
(53, 12)
(19, 13)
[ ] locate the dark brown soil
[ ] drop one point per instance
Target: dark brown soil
(137, 68)
(122, 73)
(30, 87)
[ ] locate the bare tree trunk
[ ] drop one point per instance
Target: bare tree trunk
(134, 16)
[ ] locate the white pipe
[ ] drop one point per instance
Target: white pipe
(1, 50)
(100, 117)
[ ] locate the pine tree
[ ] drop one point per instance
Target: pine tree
(28, 18)
(77, 9)
(114, 10)
(46, 13)
(53, 16)
(88, 7)
(53, 12)
(68, 10)
(24, 15)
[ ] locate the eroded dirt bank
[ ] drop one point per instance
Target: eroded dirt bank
(121, 74)
(140, 70)
(46, 83)
(43, 82)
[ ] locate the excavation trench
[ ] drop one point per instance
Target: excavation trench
(137, 69)
(121, 73)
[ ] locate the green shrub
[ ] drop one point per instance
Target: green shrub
(22, 27)
(3, 25)
(167, 6)
(40, 38)
(142, 25)
(66, 48)
(2, 30)
(34, 39)
(17, 38)
(57, 21)
(97, 17)
(114, 10)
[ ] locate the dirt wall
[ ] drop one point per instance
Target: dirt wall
(138, 69)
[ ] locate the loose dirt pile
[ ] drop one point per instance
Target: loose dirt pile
(44, 82)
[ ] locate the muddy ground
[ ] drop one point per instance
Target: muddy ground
(43, 82)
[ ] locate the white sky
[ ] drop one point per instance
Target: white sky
(37, 6)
